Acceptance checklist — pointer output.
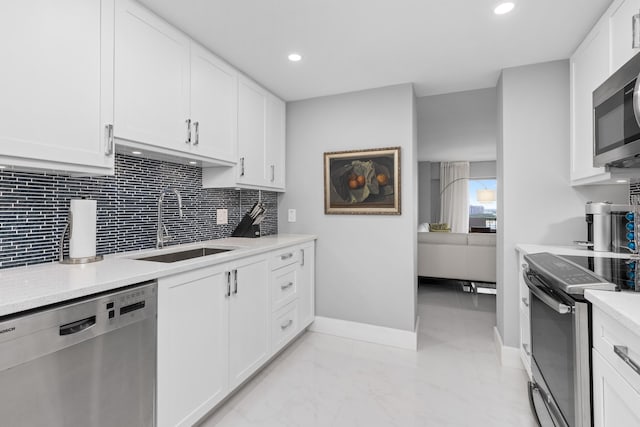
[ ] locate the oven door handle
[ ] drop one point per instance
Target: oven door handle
(554, 304)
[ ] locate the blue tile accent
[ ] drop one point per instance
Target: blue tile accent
(34, 206)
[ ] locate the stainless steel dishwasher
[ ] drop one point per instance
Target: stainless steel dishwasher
(86, 362)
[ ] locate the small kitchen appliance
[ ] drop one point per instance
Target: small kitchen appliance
(598, 217)
(616, 118)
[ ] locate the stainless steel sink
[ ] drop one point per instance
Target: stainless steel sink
(184, 255)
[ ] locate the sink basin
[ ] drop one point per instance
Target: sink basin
(184, 255)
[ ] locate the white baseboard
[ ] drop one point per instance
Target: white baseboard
(365, 332)
(508, 356)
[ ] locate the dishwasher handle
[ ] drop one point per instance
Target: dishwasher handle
(77, 326)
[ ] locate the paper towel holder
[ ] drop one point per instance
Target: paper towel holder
(68, 260)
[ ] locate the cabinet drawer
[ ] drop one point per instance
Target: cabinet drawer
(284, 325)
(284, 286)
(615, 403)
(285, 257)
(607, 333)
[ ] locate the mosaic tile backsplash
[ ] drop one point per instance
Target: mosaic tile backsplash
(34, 209)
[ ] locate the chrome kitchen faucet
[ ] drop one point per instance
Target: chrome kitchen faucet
(162, 235)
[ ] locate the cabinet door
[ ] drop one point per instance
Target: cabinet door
(214, 105)
(306, 285)
(615, 402)
(248, 321)
(589, 69)
(252, 101)
(192, 345)
(151, 79)
(56, 84)
(621, 30)
(275, 142)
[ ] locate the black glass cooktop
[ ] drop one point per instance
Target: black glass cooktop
(620, 271)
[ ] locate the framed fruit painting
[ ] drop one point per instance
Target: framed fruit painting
(362, 182)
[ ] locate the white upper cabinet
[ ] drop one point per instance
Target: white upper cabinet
(214, 105)
(151, 79)
(589, 68)
(275, 142)
(172, 96)
(621, 29)
(261, 142)
(56, 85)
(603, 51)
(252, 105)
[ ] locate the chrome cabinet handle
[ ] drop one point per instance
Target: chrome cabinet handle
(241, 166)
(109, 137)
(228, 293)
(525, 348)
(196, 131)
(235, 282)
(286, 324)
(188, 140)
(301, 256)
(288, 285)
(287, 256)
(273, 173)
(623, 353)
(525, 302)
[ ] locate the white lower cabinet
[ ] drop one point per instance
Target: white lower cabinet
(218, 325)
(248, 320)
(192, 345)
(615, 402)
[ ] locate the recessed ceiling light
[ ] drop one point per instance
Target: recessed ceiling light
(192, 162)
(3, 167)
(136, 152)
(294, 57)
(621, 181)
(503, 8)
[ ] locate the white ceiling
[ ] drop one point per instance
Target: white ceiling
(348, 45)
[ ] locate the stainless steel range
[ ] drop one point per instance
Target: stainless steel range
(560, 392)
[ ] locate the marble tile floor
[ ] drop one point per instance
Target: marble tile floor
(454, 379)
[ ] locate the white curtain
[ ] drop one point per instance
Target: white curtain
(454, 195)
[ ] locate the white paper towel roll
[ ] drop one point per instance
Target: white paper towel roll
(82, 240)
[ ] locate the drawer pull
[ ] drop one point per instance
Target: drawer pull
(525, 348)
(286, 256)
(525, 302)
(623, 353)
(286, 324)
(288, 285)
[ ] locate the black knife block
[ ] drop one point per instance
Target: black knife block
(246, 228)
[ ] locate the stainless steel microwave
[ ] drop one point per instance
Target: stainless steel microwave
(616, 118)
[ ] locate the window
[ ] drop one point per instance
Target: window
(482, 205)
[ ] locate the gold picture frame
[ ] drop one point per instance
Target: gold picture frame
(362, 182)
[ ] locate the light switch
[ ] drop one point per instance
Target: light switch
(221, 216)
(292, 215)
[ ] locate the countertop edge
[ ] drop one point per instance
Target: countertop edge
(25, 288)
(624, 307)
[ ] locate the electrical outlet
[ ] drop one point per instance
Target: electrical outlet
(292, 215)
(222, 216)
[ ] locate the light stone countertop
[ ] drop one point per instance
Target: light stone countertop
(622, 306)
(24, 288)
(567, 250)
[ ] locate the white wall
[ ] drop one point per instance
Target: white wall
(457, 126)
(366, 264)
(536, 203)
